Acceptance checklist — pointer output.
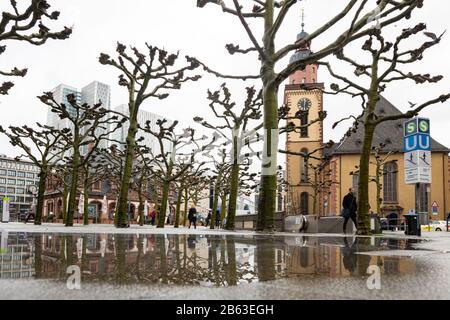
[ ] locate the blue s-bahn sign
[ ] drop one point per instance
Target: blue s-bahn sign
(417, 151)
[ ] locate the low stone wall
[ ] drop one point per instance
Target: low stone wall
(248, 221)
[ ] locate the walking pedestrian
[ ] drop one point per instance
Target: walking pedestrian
(217, 218)
(349, 208)
(31, 213)
(152, 217)
(192, 216)
(208, 218)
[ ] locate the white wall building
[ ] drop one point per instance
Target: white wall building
(143, 116)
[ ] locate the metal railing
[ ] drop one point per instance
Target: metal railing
(393, 224)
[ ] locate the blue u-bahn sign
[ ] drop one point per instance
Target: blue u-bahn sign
(417, 142)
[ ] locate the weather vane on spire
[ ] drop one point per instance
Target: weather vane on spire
(303, 19)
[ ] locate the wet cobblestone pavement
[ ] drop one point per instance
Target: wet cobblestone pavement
(219, 265)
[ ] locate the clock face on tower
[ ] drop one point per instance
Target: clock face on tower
(304, 104)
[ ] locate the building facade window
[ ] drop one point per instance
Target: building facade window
(303, 122)
(21, 174)
(11, 190)
(96, 186)
(20, 191)
(2, 180)
(304, 199)
(3, 172)
(11, 181)
(11, 173)
(2, 190)
(20, 182)
(304, 165)
(390, 182)
(30, 175)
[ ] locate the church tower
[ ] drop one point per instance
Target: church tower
(303, 95)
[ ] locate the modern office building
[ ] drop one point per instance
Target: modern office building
(91, 94)
(60, 94)
(94, 93)
(15, 179)
(143, 116)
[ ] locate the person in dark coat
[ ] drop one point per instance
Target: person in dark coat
(217, 218)
(208, 218)
(350, 207)
(192, 216)
(349, 256)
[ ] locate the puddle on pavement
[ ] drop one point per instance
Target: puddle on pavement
(205, 260)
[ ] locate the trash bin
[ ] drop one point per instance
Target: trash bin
(412, 225)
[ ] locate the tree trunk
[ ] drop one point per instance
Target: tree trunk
(120, 267)
(165, 197)
(38, 263)
(315, 193)
(64, 202)
(161, 240)
(73, 186)
(86, 199)
(215, 201)
(141, 202)
(268, 184)
(177, 213)
(234, 188)
(223, 206)
(40, 196)
(231, 253)
(186, 202)
(121, 210)
(265, 257)
(363, 192)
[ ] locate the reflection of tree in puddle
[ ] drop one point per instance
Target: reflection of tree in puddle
(160, 259)
(210, 261)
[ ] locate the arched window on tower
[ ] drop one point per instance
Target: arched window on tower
(390, 182)
(304, 122)
(304, 164)
(304, 197)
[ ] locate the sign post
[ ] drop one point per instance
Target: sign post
(417, 161)
(5, 211)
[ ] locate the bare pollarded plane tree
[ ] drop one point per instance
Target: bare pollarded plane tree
(42, 147)
(165, 161)
(235, 122)
(388, 61)
(27, 23)
(357, 14)
(151, 75)
(89, 126)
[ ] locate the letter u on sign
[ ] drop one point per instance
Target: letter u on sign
(417, 142)
(410, 143)
(424, 142)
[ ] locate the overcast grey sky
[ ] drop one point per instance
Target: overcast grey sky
(203, 33)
